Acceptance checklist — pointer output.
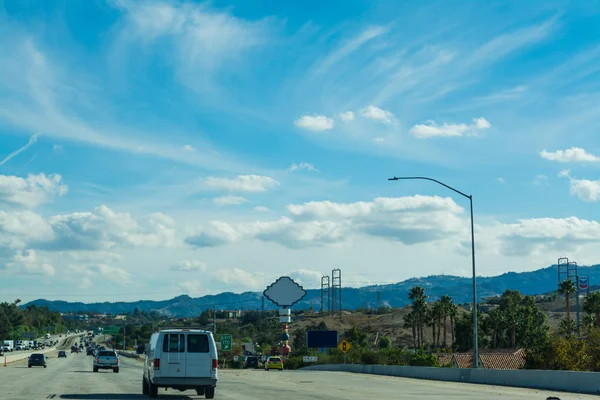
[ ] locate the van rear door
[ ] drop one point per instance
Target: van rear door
(173, 357)
(198, 357)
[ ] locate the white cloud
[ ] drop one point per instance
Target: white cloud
(347, 116)
(574, 154)
(242, 183)
(500, 180)
(27, 263)
(378, 114)
(378, 140)
(585, 189)
(541, 236)
(315, 123)
(188, 266)
(189, 147)
(302, 166)
(32, 191)
(101, 229)
(191, 287)
(261, 209)
(410, 220)
(229, 200)
(432, 129)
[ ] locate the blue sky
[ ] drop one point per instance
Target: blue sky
(155, 148)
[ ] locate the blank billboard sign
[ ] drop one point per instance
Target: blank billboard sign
(322, 339)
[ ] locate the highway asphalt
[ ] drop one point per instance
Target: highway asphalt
(72, 378)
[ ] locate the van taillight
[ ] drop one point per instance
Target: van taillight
(215, 364)
(157, 363)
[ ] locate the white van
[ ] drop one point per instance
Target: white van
(181, 359)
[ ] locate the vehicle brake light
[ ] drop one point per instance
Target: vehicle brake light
(96, 359)
(215, 364)
(157, 363)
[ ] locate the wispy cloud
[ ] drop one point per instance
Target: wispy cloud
(242, 183)
(15, 153)
(378, 114)
(315, 123)
(349, 46)
(431, 129)
(574, 154)
(302, 166)
(229, 200)
(347, 116)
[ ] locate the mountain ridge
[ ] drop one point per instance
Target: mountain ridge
(394, 294)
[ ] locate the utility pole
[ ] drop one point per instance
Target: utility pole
(325, 303)
(336, 283)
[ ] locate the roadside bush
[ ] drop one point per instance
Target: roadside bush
(423, 359)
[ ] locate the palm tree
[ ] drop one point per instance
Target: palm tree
(430, 320)
(417, 296)
(437, 311)
(591, 304)
(566, 327)
(588, 322)
(452, 313)
(410, 319)
(567, 287)
(446, 304)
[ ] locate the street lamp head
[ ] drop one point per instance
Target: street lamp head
(392, 179)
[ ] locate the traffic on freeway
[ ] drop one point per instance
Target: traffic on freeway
(168, 369)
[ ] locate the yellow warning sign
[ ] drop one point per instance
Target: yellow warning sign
(344, 346)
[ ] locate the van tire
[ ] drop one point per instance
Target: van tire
(145, 387)
(95, 369)
(116, 370)
(200, 391)
(152, 390)
(210, 392)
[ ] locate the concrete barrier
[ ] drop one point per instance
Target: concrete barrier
(129, 355)
(565, 381)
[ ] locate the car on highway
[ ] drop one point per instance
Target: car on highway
(251, 362)
(74, 349)
(106, 359)
(37, 359)
(274, 362)
(62, 354)
(181, 359)
(90, 352)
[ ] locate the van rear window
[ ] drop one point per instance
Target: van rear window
(197, 343)
(173, 343)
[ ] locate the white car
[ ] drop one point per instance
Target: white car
(181, 359)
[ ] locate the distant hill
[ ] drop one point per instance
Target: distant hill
(393, 295)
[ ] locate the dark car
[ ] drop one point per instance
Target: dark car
(90, 352)
(74, 349)
(141, 349)
(251, 362)
(62, 354)
(37, 359)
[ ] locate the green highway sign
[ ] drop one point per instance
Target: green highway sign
(111, 330)
(226, 342)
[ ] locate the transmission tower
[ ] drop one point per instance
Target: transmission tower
(336, 291)
(378, 304)
(325, 295)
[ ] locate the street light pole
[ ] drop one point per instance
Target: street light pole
(470, 197)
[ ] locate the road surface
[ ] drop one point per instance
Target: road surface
(72, 378)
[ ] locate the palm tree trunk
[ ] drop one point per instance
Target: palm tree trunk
(568, 311)
(433, 333)
(439, 321)
(414, 332)
(445, 317)
(452, 330)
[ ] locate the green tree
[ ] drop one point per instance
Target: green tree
(356, 336)
(410, 321)
(566, 288)
(591, 304)
(446, 302)
(588, 322)
(384, 343)
(452, 313)
(437, 310)
(418, 298)
(493, 325)
(299, 344)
